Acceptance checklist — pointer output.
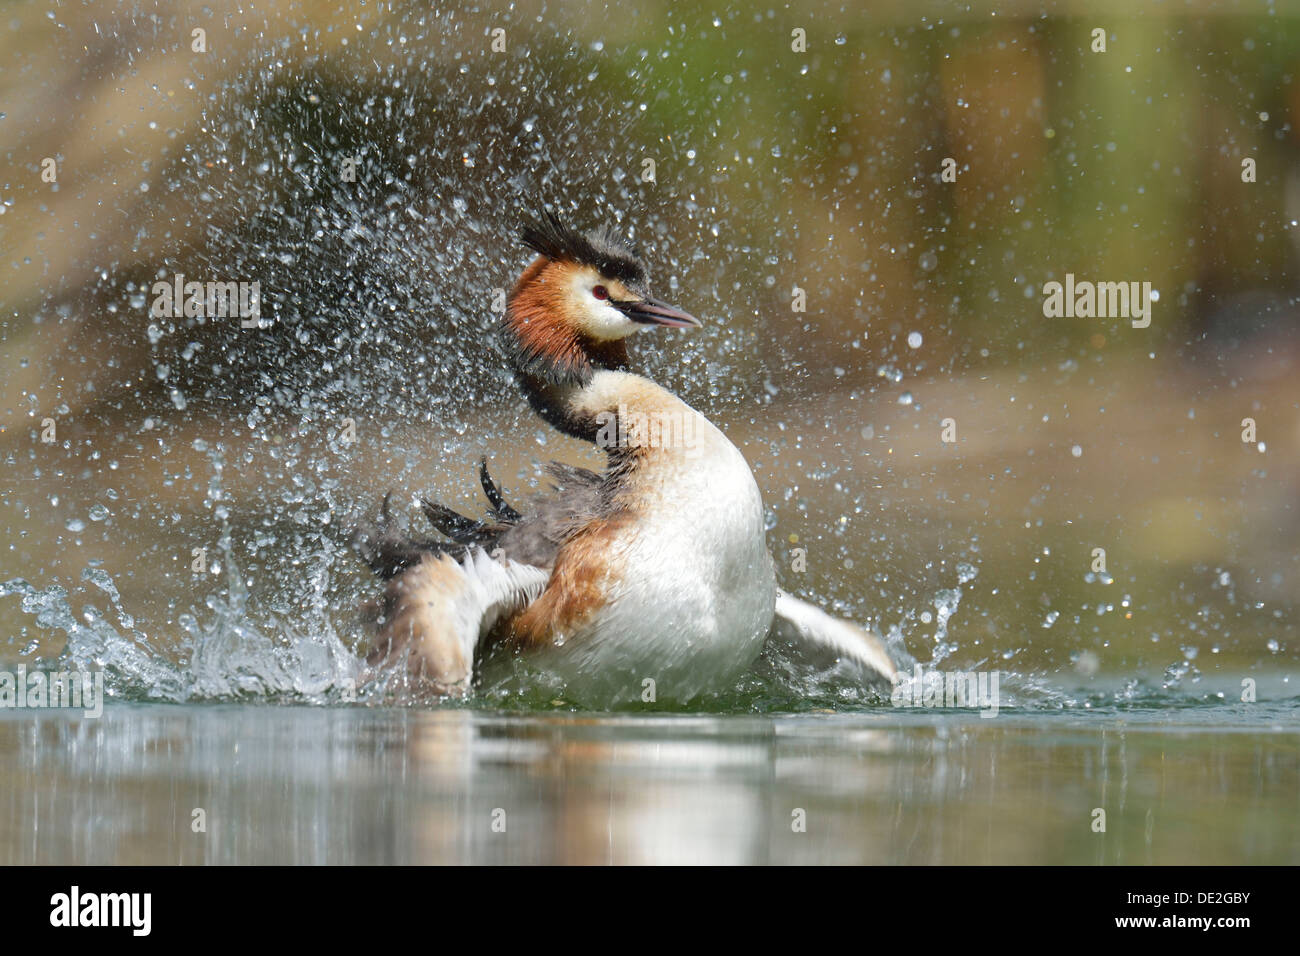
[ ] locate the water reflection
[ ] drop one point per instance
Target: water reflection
(314, 785)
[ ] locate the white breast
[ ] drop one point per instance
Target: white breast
(691, 596)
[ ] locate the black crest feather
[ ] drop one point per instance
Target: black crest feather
(603, 250)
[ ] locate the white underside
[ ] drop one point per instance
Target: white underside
(689, 607)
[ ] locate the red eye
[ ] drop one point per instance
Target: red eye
(600, 292)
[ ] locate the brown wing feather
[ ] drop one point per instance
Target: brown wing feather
(576, 588)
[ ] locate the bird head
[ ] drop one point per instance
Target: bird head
(579, 299)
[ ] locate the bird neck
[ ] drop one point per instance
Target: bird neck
(629, 417)
(567, 405)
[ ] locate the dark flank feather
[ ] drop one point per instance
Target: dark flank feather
(389, 548)
(455, 525)
(578, 497)
(499, 506)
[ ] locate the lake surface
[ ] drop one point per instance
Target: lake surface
(1192, 781)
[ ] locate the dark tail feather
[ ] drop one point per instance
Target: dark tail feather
(455, 525)
(389, 548)
(468, 531)
(499, 506)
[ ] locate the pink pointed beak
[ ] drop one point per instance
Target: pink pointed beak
(651, 311)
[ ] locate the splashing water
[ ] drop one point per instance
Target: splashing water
(368, 169)
(239, 652)
(235, 654)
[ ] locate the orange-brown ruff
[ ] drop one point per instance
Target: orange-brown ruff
(535, 318)
(651, 580)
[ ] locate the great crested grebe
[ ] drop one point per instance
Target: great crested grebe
(656, 570)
